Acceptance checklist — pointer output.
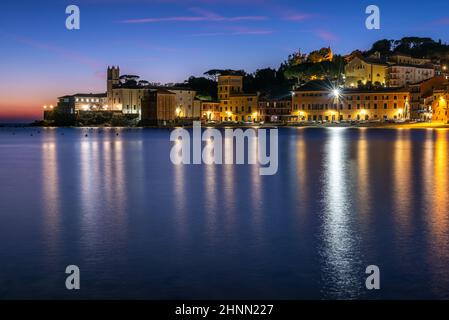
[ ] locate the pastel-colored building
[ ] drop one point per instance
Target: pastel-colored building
(400, 75)
(421, 97)
(234, 103)
(83, 102)
(276, 110)
(440, 106)
(125, 94)
(363, 70)
(321, 101)
(211, 111)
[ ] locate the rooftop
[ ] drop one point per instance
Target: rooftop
(85, 95)
(328, 86)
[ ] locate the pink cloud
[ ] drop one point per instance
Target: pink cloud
(235, 31)
(443, 21)
(297, 16)
(203, 15)
(326, 35)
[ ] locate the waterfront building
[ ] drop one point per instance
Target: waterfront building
(159, 107)
(126, 93)
(83, 102)
(421, 97)
(274, 110)
(185, 102)
(440, 107)
(211, 110)
(321, 101)
(113, 80)
(235, 105)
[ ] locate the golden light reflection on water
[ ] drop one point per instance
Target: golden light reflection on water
(301, 169)
(402, 182)
(436, 207)
(363, 178)
(439, 216)
(440, 200)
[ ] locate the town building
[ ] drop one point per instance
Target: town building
(322, 101)
(211, 111)
(400, 58)
(159, 107)
(421, 97)
(400, 75)
(235, 105)
(83, 102)
(360, 70)
(440, 107)
(126, 93)
(275, 110)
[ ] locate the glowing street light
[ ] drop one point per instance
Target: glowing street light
(337, 94)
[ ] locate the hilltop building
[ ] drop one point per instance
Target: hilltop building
(398, 70)
(360, 70)
(399, 75)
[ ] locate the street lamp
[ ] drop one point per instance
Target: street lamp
(178, 112)
(337, 93)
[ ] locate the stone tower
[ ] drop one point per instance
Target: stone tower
(113, 79)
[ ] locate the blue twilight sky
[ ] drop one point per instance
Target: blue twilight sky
(168, 40)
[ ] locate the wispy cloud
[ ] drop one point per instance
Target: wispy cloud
(444, 21)
(233, 33)
(326, 35)
(59, 51)
(202, 15)
(297, 16)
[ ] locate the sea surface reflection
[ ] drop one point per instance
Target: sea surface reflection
(111, 202)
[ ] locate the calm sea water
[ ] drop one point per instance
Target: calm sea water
(139, 227)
